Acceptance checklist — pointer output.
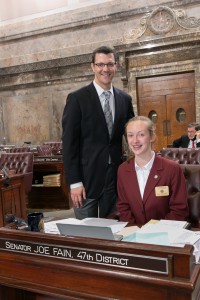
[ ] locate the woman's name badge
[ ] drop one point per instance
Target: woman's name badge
(162, 191)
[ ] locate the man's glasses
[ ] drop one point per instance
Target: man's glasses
(102, 65)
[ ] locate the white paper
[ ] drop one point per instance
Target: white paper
(99, 221)
(176, 234)
(51, 227)
(128, 230)
(177, 224)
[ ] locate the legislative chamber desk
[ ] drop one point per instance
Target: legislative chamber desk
(12, 198)
(36, 266)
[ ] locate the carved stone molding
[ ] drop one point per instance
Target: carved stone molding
(49, 64)
(137, 32)
(185, 22)
(123, 66)
(161, 21)
(166, 56)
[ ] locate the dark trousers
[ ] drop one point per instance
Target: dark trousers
(103, 205)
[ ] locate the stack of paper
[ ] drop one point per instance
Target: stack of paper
(164, 232)
(52, 180)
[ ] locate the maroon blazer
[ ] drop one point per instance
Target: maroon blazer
(134, 209)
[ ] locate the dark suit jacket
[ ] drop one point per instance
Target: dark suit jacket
(86, 142)
(183, 142)
(163, 173)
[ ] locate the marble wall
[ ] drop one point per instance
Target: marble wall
(42, 60)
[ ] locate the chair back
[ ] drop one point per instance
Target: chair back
(192, 176)
(22, 163)
(55, 146)
(18, 150)
(182, 155)
(44, 150)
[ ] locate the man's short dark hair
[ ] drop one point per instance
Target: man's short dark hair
(104, 50)
(197, 127)
(191, 125)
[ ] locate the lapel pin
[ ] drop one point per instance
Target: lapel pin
(155, 176)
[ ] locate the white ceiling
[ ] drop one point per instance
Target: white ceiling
(26, 9)
(12, 9)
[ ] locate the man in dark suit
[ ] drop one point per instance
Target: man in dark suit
(92, 155)
(191, 140)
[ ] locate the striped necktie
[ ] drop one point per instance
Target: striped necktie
(193, 144)
(107, 112)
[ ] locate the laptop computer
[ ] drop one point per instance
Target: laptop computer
(88, 231)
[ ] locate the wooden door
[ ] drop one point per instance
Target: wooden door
(169, 101)
(155, 108)
(180, 112)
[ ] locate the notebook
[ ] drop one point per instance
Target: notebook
(88, 231)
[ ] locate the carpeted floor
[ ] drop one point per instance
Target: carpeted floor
(55, 213)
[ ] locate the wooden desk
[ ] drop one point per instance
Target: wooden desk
(38, 266)
(12, 198)
(48, 197)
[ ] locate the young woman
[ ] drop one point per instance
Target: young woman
(149, 186)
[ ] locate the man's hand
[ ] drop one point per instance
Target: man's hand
(77, 196)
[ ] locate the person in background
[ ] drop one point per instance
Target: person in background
(189, 140)
(93, 125)
(149, 186)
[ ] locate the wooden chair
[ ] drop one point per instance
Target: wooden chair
(44, 150)
(56, 147)
(21, 163)
(18, 150)
(182, 155)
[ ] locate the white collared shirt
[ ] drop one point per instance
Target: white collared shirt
(143, 174)
(195, 142)
(102, 97)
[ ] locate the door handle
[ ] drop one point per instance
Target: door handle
(166, 128)
(168, 125)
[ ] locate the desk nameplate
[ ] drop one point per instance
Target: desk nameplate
(40, 159)
(121, 260)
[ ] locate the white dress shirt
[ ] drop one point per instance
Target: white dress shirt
(143, 174)
(102, 98)
(195, 142)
